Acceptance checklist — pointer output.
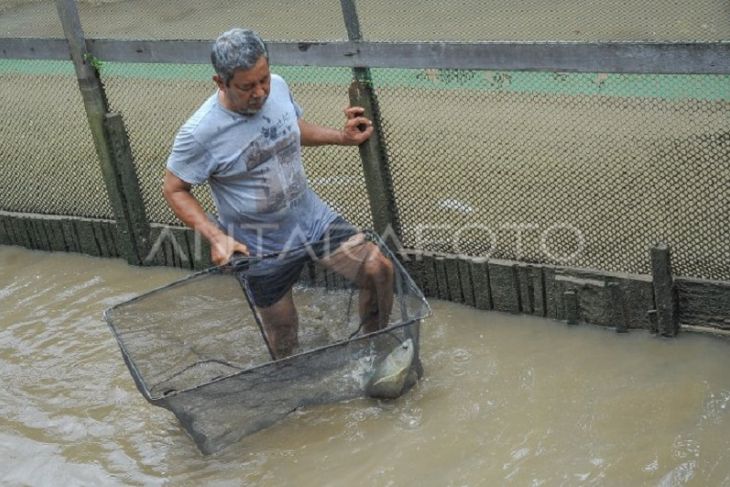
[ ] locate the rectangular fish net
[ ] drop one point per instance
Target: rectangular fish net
(198, 348)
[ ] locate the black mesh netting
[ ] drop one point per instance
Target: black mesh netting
(198, 347)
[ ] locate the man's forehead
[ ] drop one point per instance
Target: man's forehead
(255, 73)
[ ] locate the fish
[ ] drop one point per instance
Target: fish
(388, 378)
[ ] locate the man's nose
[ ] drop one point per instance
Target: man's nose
(260, 91)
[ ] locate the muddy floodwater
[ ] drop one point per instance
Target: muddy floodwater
(506, 400)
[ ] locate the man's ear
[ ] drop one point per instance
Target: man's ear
(219, 81)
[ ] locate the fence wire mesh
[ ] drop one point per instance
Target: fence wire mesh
(29, 18)
(541, 20)
(466, 20)
(191, 19)
(579, 169)
(48, 160)
(312, 20)
(156, 99)
(588, 170)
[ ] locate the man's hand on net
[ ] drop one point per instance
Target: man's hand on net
(358, 128)
(223, 247)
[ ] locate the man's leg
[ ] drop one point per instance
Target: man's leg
(363, 263)
(281, 326)
(269, 285)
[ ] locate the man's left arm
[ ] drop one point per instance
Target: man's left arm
(357, 130)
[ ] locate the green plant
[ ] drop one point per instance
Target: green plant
(94, 61)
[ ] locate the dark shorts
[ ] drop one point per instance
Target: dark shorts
(270, 279)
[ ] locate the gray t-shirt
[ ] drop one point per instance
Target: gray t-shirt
(254, 167)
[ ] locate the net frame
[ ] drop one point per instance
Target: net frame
(317, 375)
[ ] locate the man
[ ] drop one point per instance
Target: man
(246, 140)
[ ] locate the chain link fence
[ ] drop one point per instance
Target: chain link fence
(47, 155)
(29, 18)
(180, 19)
(588, 170)
(541, 20)
(423, 20)
(190, 19)
(156, 99)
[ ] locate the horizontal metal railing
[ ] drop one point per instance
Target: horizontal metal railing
(593, 57)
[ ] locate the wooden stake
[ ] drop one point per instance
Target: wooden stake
(665, 295)
(571, 307)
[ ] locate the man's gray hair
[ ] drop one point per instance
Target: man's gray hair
(236, 49)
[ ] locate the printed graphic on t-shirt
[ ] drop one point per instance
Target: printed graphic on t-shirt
(276, 166)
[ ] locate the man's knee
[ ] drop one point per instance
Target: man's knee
(378, 270)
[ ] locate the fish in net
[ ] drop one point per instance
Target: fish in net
(202, 348)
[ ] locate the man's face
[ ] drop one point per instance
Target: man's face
(247, 91)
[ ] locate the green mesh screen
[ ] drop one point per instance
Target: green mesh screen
(156, 99)
(542, 20)
(47, 155)
(581, 169)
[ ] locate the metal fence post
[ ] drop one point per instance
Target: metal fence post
(373, 153)
(109, 140)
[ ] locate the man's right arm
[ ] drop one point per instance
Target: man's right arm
(188, 209)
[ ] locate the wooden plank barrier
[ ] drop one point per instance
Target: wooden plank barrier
(5, 237)
(53, 233)
(442, 282)
(453, 279)
(619, 306)
(535, 273)
(413, 263)
(703, 303)
(479, 270)
(618, 300)
(579, 295)
(175, 246)
(504, 286)
(571, 306)
(526, 286)
(430, 283)
(465, 280)
(54, 229)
